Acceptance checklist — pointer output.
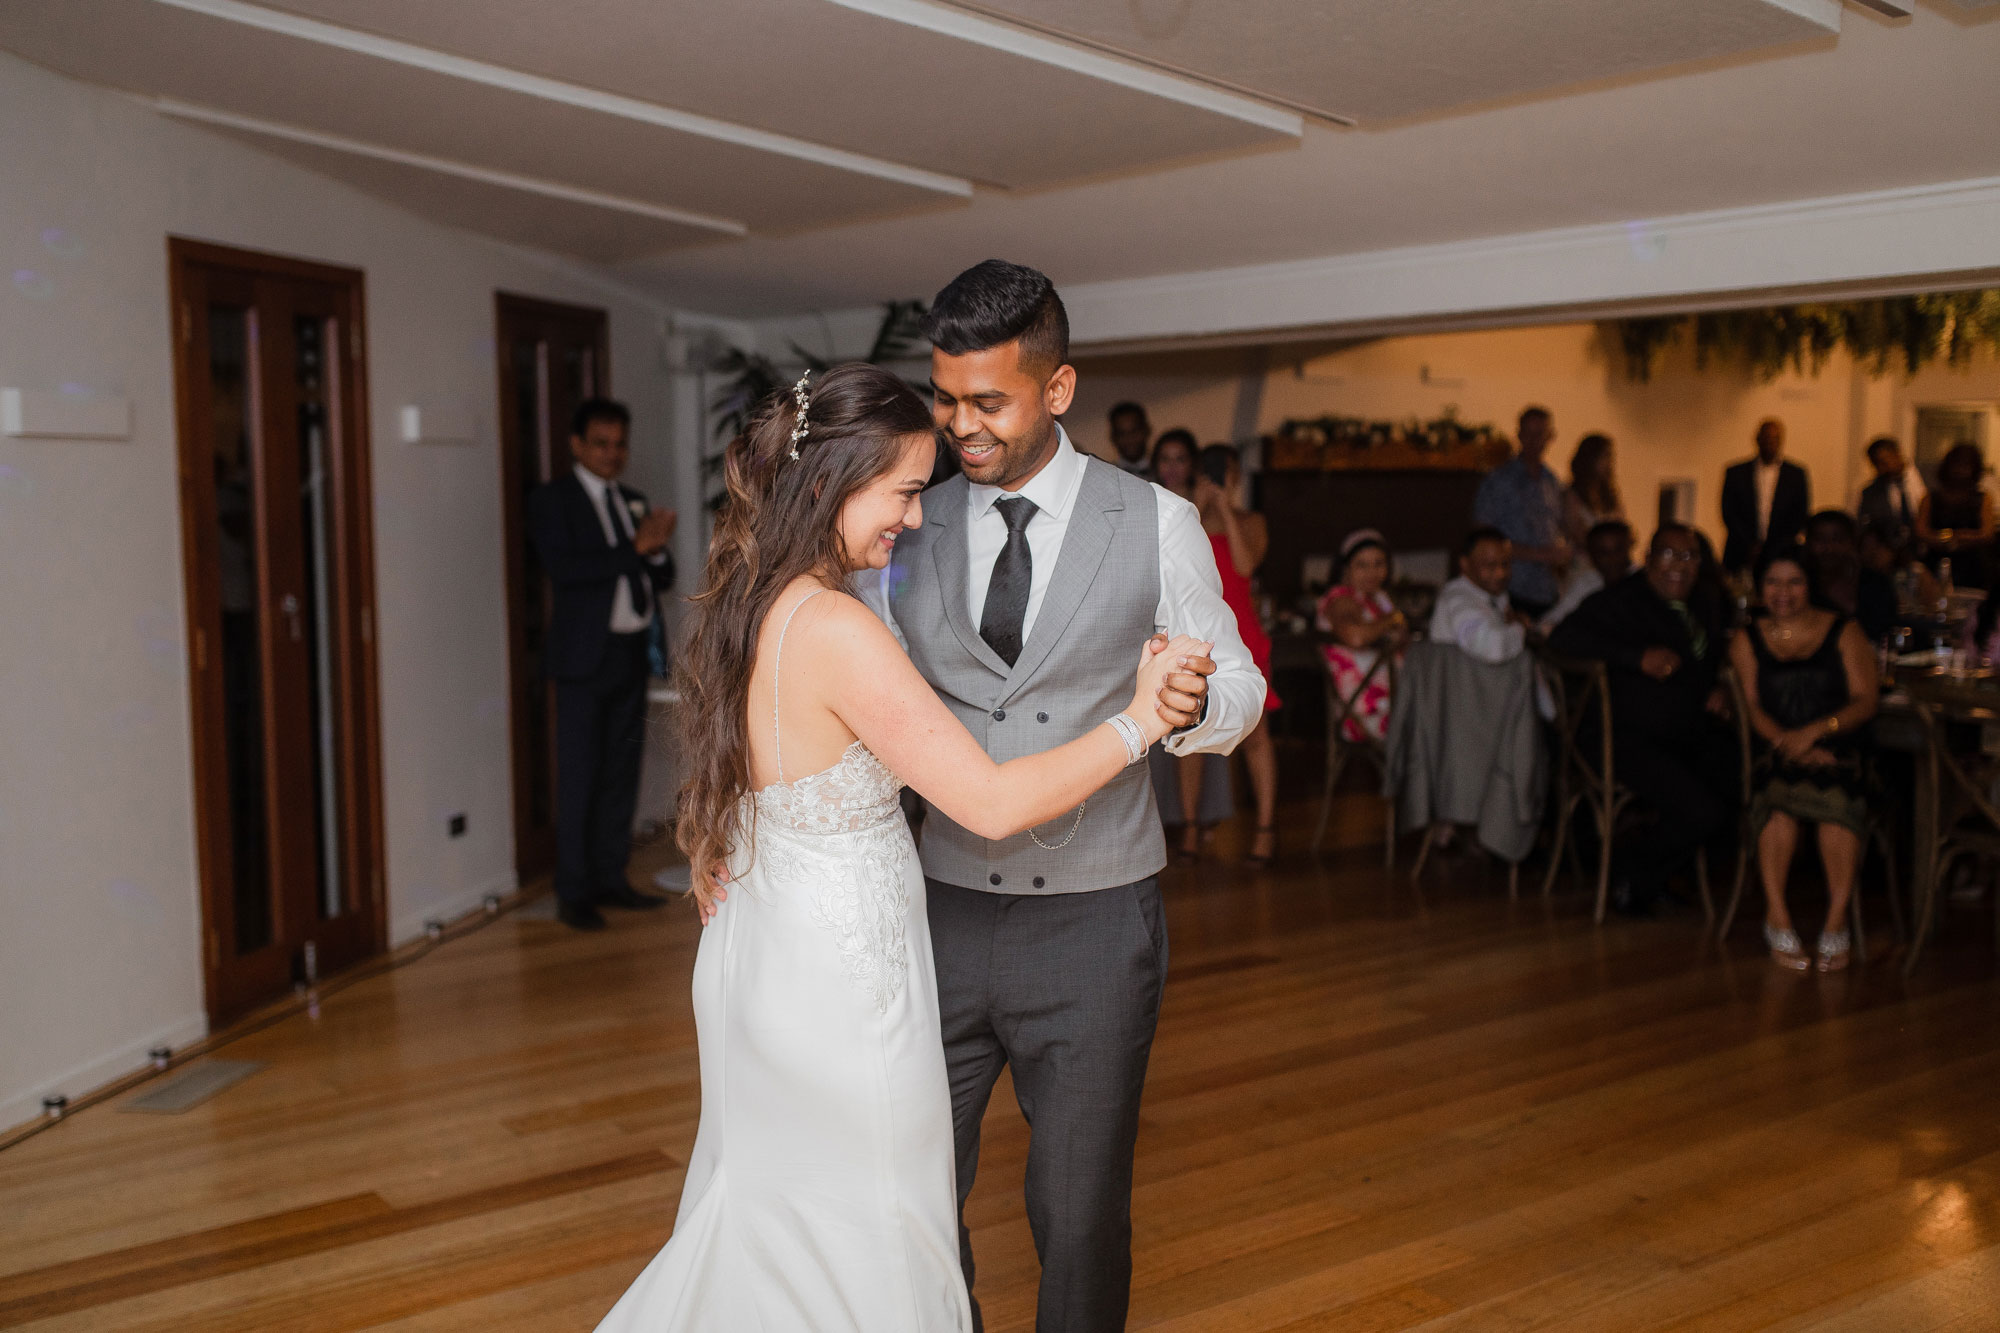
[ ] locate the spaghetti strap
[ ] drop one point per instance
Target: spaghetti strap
(777, 665)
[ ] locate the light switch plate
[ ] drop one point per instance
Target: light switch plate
(32, 414)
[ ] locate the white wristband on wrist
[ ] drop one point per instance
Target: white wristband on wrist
(1135, 739)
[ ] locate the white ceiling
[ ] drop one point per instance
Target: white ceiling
(1365, 61)
(1886, 105)
(769, 156)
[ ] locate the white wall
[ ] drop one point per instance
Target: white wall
(1684, 422)
(99, 955)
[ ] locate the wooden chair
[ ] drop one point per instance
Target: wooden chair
(1587, 776)
(1340, 748)
(1586, 770)
(1962, 821)
(1879, 835)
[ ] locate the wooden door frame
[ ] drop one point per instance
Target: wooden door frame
(354, 572)
(514, 531)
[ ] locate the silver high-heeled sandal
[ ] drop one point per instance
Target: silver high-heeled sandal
(1835, 950)
(1787, 951)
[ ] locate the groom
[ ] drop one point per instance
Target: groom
(1023, 598)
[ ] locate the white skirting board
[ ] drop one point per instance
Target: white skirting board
(407, 926)
(93, 1074)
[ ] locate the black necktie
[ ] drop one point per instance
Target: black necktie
(1007, 591)
(622, 535)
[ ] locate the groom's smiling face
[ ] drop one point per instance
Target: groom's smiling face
(999, 414)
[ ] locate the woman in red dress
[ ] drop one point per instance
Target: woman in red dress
(1241, 538)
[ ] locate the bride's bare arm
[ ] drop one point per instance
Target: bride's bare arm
(874, 688)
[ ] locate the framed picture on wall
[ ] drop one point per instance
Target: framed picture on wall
(1677, 500)
(1942, 425)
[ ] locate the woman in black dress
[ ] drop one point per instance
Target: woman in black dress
(1809, 676)
(1955, 521)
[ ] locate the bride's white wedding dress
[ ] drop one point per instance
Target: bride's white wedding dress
(820, 1196)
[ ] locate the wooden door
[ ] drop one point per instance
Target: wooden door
(278, 566)
(552, 357)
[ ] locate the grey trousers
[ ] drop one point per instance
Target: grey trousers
(1065, 990)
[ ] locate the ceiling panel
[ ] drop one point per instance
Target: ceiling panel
(829, 73)
(1366, 60)
(160, 50)
(605, 235)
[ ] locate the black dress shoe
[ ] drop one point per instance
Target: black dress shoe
(629, 898)
(580, 916)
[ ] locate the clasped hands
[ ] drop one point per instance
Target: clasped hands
(1179, 701)
(655, 530)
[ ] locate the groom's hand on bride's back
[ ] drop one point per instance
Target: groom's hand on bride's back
(1180, 700)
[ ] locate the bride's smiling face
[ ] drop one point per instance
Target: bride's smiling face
(873, 516)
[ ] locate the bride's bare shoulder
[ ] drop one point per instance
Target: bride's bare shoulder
(829, 618)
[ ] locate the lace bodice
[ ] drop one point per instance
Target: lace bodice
(858, 792)
(839, 835)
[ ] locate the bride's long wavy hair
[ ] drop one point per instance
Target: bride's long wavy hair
(780, 519)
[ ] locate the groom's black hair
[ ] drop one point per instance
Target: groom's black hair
(997, 302)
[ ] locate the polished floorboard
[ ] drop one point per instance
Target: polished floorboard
(1372, 1106)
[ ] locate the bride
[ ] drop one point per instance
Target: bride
(820, 1192)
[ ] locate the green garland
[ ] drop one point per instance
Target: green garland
(1948, 326)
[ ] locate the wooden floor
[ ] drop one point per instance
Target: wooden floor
(1370, 1108)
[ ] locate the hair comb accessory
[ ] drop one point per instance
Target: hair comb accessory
(1357, 537)
(799, 426)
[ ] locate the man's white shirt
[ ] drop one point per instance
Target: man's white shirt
(1767, 492)
(610, 507)
(1477, 621)
(1190, 588)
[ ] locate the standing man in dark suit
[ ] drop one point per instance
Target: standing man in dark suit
(1889, 503)
(605, 551)
(1765, 500)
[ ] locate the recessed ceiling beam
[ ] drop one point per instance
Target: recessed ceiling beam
(1017, 40)
(568, 94)
(443, 166)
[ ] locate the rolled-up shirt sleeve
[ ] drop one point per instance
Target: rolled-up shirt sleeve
(1191, 603)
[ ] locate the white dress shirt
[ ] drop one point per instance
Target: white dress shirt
(625, 618)
(1475, 620)
(1767, 491)
(1909, 481)
(1190, 588)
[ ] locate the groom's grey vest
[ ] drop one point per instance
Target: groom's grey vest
(1075, 670)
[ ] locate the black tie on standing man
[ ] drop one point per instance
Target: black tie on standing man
(605, 552)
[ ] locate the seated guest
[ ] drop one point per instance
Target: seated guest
(1364, 624)
(1662, 649)
(1809, 676)
(1473, 611)
(1956, 521)
(1916, 588)
(1846, 585)
(1888, 503)
(1607, 550)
